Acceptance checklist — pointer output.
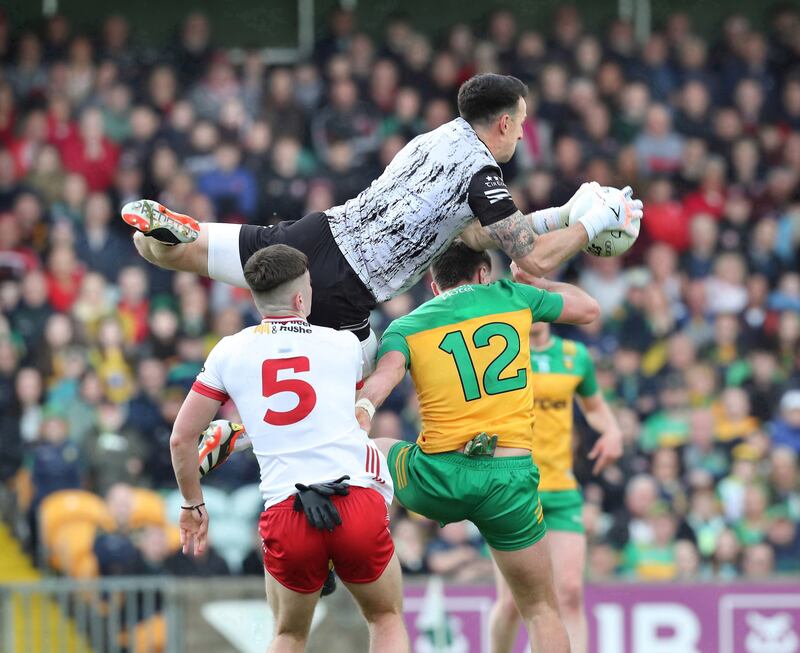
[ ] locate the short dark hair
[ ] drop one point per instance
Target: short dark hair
(484, 97)
(457, 264)
(273, 266)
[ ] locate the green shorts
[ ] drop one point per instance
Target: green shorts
(498, 495)
(563, 510)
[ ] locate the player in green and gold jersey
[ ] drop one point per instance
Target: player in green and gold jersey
(468, 353)
(562, 371)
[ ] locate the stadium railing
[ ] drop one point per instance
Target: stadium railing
(109, 615)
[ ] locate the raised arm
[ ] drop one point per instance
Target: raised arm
(500, 224)
(541, 241)
(579, 306)
(390, 371)
(537, 255)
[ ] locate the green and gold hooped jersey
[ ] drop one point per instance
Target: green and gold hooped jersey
(469, 356)
(559, 371)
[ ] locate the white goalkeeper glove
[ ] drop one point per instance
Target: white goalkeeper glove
(557, 217)
(588, 187)
(608, 213)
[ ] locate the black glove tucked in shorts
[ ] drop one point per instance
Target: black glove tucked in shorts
(315, 501)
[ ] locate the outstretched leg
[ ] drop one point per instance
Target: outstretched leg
(174, 241)
(384, 444)
(170, 240)
(184, 257)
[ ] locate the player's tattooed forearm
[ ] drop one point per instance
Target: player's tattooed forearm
(514, 234)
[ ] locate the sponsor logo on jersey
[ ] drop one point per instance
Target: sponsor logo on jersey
(497, 190)
(549, 404)
(292, 327)
(497, 195)
(457, 290)
(283, 327)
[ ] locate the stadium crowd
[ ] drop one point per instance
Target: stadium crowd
(698, 348)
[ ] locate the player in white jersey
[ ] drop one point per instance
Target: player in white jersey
(294, 386)
(442, 184)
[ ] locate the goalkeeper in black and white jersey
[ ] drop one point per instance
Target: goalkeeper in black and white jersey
(443, 184)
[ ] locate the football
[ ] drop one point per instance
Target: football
(609, 242)
(217, 443)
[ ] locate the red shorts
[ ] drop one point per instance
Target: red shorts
(297, 555)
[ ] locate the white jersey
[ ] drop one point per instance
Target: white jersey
(294, 386)
(392, 231)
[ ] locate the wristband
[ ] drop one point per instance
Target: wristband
(367, 405)
(546, 220)
(195, 507)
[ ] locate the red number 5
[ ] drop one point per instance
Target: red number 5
(306, 397)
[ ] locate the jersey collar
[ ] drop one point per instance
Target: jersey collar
(465, 125)
(282, 318)
(455, 289)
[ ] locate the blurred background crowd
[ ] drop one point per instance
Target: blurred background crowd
(698, 347)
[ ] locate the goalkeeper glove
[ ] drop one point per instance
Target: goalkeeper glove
(563, 211)
(315, 501)
(623, 217)
(557, 217)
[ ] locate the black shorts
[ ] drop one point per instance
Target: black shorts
(340, 300)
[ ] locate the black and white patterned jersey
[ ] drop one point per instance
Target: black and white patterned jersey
(438, 183)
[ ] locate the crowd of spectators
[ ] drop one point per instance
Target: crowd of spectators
(698, 347)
